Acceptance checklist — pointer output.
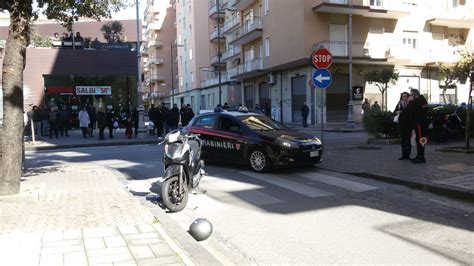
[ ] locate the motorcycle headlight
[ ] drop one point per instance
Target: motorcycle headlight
(286, 143)
(317, 141)
(173, 150)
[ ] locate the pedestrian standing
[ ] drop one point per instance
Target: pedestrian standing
(152, 118)
(182, 114)
(190, 113)
(403, 120)
(44, 121)
(110, 123)
(93, 120)
(84, 121)
(135, 118)
(304, 114)
(366, 107)
(375, 107)
(101, 122)
(53, 122)
(166, 118)
(159, 120)
(128, 128)
(64, 121)
(418, 112)
(37, 120)
(266, 110)
(174, 116)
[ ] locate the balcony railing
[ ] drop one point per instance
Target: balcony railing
(367, 8)
(359, 49)
(213, 35)
(230, 53)
(153, 78)
(156, 43)
(213, 10)
(250, 31)
(156, 61)
(240, 5)
(213, 79)
(215, 60)
(231, 24)
(251, 65)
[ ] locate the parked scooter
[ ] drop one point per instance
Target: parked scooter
(446, 126)
(183, 168)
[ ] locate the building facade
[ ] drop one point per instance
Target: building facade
(261, 51)
(159, 35)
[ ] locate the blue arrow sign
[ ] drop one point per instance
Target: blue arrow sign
(322, 78)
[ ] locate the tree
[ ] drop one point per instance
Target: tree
(383, 79)
(448, 75)
(113, 32)
(466, 70)
(22, 15)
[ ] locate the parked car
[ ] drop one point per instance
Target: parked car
(253, 139)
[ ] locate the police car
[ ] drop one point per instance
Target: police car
(253, 139)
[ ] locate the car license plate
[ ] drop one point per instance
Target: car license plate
(314, 154)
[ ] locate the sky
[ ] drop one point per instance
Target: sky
(130, 13)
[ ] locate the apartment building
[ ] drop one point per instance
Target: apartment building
(159, 34)
(276, 37)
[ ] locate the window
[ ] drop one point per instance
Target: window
(190, 54)
(206, 121)
(192, 77)
(181, 81)
(190, 30)
(266, 8)
(267, 46)
(410, 40)
(228, 124)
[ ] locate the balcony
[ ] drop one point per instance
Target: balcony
(248, 69)
(150, 12)
(240, 5)
(155, 61)
(152, 27)
(361, 50)
(153, 78)
(215, 61)
(214, 37)
(389, 9)
(213, 11)
(155, 43)
(456, 18)
(231, 24)
(231, 53)
(212, 79)
(250, 31)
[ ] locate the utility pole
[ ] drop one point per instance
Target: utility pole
(350, 109)
(140, 108)
(219, 51)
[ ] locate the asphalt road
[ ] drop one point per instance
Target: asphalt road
(302, 216)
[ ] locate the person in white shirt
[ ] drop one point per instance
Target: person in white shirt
(84, 121)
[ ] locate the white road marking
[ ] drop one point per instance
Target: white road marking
(338, 182)
(289, 185)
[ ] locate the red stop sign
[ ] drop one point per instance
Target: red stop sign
(321, 58)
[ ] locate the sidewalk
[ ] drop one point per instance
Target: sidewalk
(450, 174)
(80, 215)
(328, 127)
(76, 140)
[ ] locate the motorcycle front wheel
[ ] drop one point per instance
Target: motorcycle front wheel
(172, 199)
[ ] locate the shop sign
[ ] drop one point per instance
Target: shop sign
(63, 90)
(357, 93)
(93, 90)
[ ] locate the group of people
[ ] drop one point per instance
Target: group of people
(411, 114)
(163, 119)
(49, 121)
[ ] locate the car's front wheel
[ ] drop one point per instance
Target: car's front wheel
(259, 161)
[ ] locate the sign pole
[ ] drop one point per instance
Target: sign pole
(322, 115)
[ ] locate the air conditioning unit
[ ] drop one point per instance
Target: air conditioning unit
(271, 79)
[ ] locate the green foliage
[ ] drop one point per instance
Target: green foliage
(383, 78)
(41, 41)
(380, 124)
(113, 32)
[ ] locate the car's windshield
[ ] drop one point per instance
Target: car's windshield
(260, 122)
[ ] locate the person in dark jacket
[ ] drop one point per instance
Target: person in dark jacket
(44, 121)
(102, 122)
(174, 117)
(182, 114)
(93, 118)
(166, 118)
(136, 122)
(159, 120)
(110, 123)
(37, 120)
(64, 121)
(401, 110)
(152, 118)
(418, 111)
(304, 114)
(190, 113)
(53, 122)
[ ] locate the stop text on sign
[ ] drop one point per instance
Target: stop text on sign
(321, 58)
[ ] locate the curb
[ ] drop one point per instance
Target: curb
(192, 248)
(435, 188)
(105, 144)
(336, 130)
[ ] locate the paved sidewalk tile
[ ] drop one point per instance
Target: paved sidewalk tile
(100, 232)
(128, 229)
(162, 250)
(141, 252)
(75, 259)
(114, 241)
(52, 259)
(63, 243)
(94, 243)
(160, 261)
(145, 228)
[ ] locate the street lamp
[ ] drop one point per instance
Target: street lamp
(172, 70)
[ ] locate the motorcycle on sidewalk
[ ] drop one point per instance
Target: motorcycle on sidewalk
(183, 168)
